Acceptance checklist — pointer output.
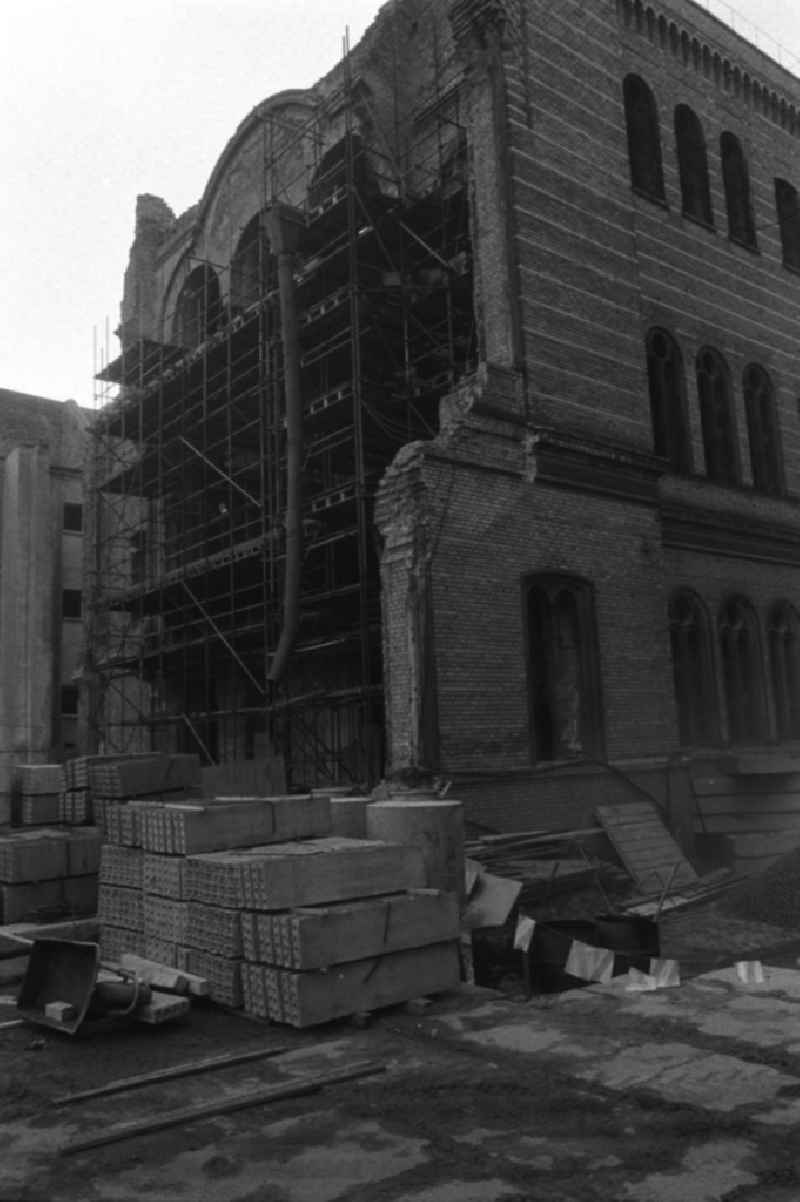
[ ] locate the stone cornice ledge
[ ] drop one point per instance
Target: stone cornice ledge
(699, 516)
(593, 465)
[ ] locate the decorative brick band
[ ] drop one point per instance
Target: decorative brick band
(731, 78)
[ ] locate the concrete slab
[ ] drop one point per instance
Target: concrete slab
(709, 1173)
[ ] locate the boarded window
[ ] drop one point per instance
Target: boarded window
(693, 670)
(736, 180)
(788, 206)
(693, 166)
(762, 428)
(717, 418)
(740, 654)
(644, 139)
(563, 671)
(667, 386)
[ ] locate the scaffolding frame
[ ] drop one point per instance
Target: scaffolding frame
(187, 474)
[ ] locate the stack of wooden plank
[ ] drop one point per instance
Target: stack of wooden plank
(47, 873)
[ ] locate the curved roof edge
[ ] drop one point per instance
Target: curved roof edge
(243, 130)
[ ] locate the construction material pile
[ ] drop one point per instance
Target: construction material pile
(47, 870)
(279, 916)
(772, 896)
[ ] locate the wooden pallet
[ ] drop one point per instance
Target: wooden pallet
(645, 846)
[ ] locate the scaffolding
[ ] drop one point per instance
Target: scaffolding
(187, 513)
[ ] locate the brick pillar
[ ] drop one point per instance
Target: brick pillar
(409, 671)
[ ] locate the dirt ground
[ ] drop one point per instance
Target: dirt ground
(685, 1095)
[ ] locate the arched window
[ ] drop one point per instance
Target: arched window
(252, 265)
(644, 139)
(784, 663)
(736, 180)
(717, 419)
(668, 400)
(740, 654)
(693, 670)
(788, 206)
(198, 311)
(563, 672)
(762, 428)
(693, 165)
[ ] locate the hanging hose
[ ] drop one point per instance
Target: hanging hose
(284, 227)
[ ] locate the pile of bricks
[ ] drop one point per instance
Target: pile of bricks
(277, 914)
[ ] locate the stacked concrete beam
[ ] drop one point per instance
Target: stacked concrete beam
(313, 953)
(48, 872)
(37, 789)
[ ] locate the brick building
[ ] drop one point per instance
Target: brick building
(42, 460)
(531, 272)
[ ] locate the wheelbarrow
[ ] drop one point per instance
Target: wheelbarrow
(61, 989)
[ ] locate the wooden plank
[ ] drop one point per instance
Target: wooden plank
(160, 974)
(189, 1114)
(315, 937)
(162, 1008)
(192, 1068)
(612, 819)
(310, 998)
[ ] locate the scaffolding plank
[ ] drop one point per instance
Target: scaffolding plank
(645, 846)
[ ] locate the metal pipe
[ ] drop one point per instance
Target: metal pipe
(284, 228)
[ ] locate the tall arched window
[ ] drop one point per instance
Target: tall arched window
(693, 670)
(784, 663)
(693, 165)
(788, 205)
(668, 400)
(717, 419)
(198, 311)
(644, 139)
(740, 654)
(762, 429)
(252, 264)
(563, 672)
(736, 181)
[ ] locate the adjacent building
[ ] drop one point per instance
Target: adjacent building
(42, 461)
(458, 424)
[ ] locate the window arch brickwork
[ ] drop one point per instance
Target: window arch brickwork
(742, 674)
(717, 417)
(667, 385)
(252, 265)
(693, 670)
(198, 310)
(736, 181)
(566, 720)
(784, 663)
(762, 428)
(644, 138)
(693, 165)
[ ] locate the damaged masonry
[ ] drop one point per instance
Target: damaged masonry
(441, 560)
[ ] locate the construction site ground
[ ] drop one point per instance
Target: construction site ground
(687, 1094)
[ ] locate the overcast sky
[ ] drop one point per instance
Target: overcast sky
(103, 99)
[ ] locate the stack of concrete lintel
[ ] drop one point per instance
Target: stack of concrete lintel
(275, 912)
